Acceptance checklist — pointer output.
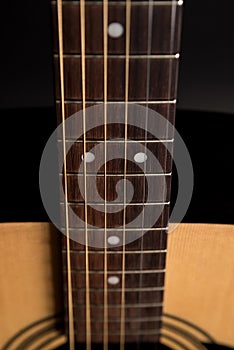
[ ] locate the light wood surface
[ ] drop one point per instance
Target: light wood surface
(28, 282)
(199, 279)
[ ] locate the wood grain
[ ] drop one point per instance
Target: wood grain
(200, 277)
(30, 270)
(161, 29)
(153, 237)
(134, 261)
(131, 280)
(161, 88)
(141, 185)
(115, 219)
(155, 150)
(162, 84)
(117, 130)
(199, 280)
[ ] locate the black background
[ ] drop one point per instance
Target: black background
(206, 83)
(206, 79)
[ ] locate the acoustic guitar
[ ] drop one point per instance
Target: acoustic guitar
(111, 270)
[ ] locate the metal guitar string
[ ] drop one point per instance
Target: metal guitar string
(149, 49)
(174, 5)
(69, 281)
(105, 53)
(83, 70)
(127, 48)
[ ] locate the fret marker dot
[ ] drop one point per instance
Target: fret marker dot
(113, 280)
(113, 240)
(89, 157)
(115, 30)
(140, 157)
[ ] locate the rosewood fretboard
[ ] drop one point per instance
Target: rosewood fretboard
(145, 257)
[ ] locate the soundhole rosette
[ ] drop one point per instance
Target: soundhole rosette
(48, 333)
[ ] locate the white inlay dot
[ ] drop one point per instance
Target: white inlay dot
(140, 157)
(89, 157)
(113, 280)
(113, 240)
(115, 30)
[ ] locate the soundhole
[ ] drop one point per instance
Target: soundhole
(48, 333)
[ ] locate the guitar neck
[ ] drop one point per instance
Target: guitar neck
(109, 55)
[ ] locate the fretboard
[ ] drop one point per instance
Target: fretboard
(116, 284)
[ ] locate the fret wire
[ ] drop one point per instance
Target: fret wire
(118, 204)
(115, 320)
(118, 306)
(134, 3)
(77, 251)
(148, 332)
(117, 175)
(137, 272)
(120, 102)
(164, 56)
(69, 281)
(120, 229)
(118, 141)
(146, 289)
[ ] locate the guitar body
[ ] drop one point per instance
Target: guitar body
(115, 72)
(199, 286)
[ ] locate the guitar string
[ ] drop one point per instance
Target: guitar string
(149, 49)
(83, 70)
(105, 47)
(172, 40)
(127, 48)
(68, 258)
(173, 19)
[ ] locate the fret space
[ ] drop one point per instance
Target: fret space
(147, 280)
(157, 217)
(143, 318)
(158, 158)
(158, 186)
(160, 88)
(155, 239)
(116, 131)
(161, 28)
